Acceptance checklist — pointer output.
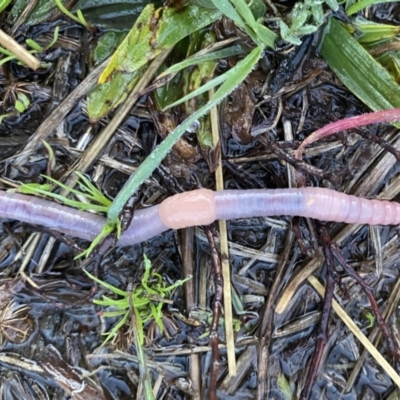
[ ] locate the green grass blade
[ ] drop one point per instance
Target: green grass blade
(116, 328)
(95, 193)
(196, 59)
(240, 13)
(366, 3)
(242, 69)
(202, 89)
(245, 12)
(358, 71)
(105, 284)
(113, 314)
(227, 9)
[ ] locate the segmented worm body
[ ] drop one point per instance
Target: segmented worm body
(202, 207)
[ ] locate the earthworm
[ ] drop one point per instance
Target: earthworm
(202, 207)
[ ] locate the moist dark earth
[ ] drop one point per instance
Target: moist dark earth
(51, 333)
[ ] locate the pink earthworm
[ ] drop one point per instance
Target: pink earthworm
(202, 207)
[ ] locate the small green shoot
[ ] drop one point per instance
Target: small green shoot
(23, 102)
(10, 56)
(304, 19)
(200, 58)
(3, 116)
(146, 300)
(98, 202)
(284, 387)
(38, 48)
(79, 18)
(369, 316)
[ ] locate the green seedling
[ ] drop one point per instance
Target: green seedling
(284, 386)
(96, 200)
(369, 316)
(146, 300)
(137, 306)
(36, 48)
(23, 102)
(79, 18)
(3, 116)
(304, 19)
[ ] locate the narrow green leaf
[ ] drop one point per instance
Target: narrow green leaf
(368, 31)
(105, 284)
(153, 32)
(366, 3)
(245, 12)
(116, 328)
(227, 9)
(112, 314)
(196, 59)
(202, 89)
(4, 4)
(33, 45)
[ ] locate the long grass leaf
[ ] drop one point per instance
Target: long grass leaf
(358, 71)
(199, 59)
(202, 89)
(365, 3)
(227, 9)
(105, 284)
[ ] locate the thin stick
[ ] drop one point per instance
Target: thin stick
(58, 114)
(226, 274)
(20, 52)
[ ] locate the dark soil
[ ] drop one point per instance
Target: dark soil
(50, 330)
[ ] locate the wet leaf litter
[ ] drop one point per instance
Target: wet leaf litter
(48, 279)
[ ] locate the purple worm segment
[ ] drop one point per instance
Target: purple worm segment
(201, 207)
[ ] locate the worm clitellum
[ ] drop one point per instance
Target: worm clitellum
(202, 207)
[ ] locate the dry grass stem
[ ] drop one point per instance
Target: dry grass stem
(19, 51)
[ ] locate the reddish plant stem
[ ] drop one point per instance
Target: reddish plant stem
(350, 123)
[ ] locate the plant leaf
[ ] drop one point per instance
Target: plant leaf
(153, 32)
(106, 285)
(365, 3)
(358, 71)
(4, 4)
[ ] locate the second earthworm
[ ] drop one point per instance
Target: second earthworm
(202, 207)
